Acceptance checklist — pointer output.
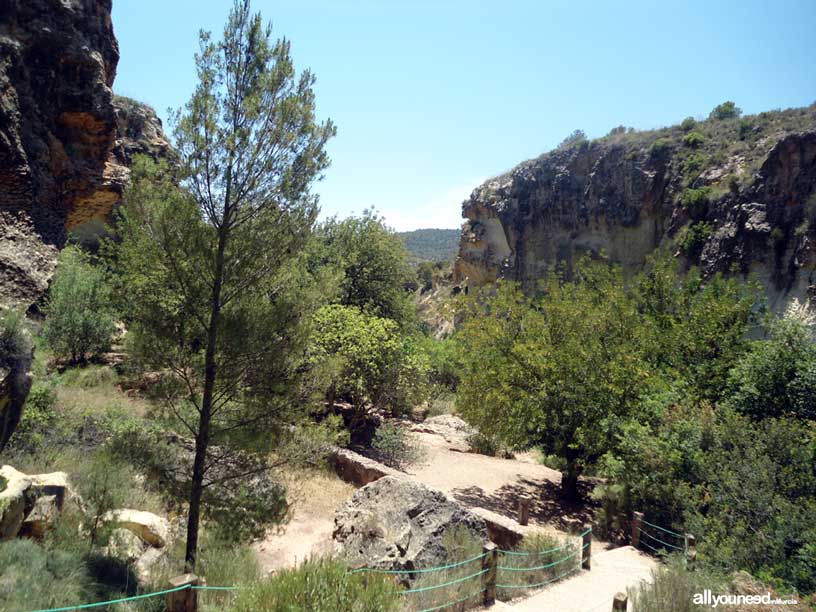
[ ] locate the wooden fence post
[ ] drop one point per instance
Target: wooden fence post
(586, 547)
(691, 549)
(185, 600)
(637, 525)
(490, 562)
(523, 511)
(620, 602)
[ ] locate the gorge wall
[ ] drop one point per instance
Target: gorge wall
(727, 194)
(65, 145)
(65, 140)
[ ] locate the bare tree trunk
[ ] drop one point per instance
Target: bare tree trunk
(569, 482)
(203, 437)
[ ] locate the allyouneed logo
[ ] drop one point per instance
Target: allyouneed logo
(708, 598)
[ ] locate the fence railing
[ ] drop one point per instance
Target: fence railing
(661, 540)
(505, 573)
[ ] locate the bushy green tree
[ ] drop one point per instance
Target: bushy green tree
(695, 327)
(726, 110)
(562, 372)
(373, 262)
(79, 315)
(207, 265)
(374, 365)
(777, 376)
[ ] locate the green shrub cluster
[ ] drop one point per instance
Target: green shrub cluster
(693, 140)
(696, 202)
(79, 314)
(695, 236)
(322, 585)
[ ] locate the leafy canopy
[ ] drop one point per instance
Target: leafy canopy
(79, 315)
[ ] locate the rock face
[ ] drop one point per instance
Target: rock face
(29, 504)
(64, 144)
(622, 195)
(15, 383)
(395, 523)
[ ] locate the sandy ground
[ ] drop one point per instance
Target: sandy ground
(316, 496)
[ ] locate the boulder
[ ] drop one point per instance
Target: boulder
(125, 545)
(150, 527)
(358, 470)
(396, 523)
(147, 562)
(454, 430)
(42, 517)
(503, 532)
(55, 483)
(15, 501)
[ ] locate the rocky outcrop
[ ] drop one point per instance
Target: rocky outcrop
(622, 195)
(16, 356)
(148, 527)
(64, 143)
(396, 523)
(29, 505)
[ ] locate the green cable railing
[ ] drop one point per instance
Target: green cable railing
(655, 548)
(114, 601)
(512, 554)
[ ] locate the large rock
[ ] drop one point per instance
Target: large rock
(15, 501)
(149, 527)
(15, 383)
(359, 470)
(42, 518)
(453, 429)
(396, 523)
(622, 196)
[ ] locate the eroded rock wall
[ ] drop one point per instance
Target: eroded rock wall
(65, 141)
(622, 197)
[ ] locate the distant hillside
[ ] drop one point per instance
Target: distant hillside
(432, 244)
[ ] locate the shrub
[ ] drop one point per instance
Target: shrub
(79, 314)
(394, 447)
(696, 202)
(39, 418)
(615, 131)
(538, 550)
(14, 341)
(746, 126)
(576, 138)
(693, 140)
(35, 576)
(323, 585)
(688, 124)
(660, 147)
(726, 110)
(672, 589)
(693, 164)
(488, 445)
(694, 238)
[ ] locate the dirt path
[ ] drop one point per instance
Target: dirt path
(496, 484)
(315, 496)
(474, 480)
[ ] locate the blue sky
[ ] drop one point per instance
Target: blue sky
(431, 97)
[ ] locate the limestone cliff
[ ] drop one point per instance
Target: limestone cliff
(724, 194)
(64, 142)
